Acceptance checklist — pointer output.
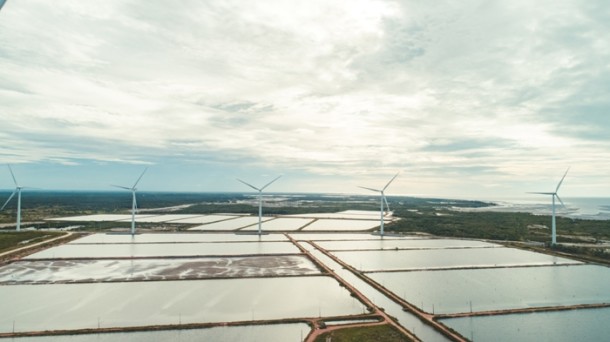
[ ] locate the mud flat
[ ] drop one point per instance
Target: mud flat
(62, 271)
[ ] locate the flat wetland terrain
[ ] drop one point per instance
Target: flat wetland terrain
(438, 217)
(197, 263)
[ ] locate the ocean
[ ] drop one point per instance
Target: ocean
(590, 208)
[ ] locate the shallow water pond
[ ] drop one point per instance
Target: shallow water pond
(445, 258)
(50, 271)
(403, 244)
(77, 306)
(341, 225)
(282, 224)
(570, 325)
(343, 236)
(177, 238)
(232, 224)
(455, 291)
(164, 249)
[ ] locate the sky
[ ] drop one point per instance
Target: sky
(466, 99)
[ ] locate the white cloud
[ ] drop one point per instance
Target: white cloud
(495, 93)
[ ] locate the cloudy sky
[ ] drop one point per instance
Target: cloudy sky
(468, 99)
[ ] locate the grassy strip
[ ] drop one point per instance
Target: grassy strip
(12, 240)
(385, 333)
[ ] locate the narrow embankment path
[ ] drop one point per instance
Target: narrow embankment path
(354, 291)
(33, 247)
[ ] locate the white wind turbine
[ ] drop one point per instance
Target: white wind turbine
(134, 204)
(382, 199)
(553, 195)
(18, 192)
(260, 199)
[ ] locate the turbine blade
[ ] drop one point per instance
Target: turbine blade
(9, 199)
(138, 181)
(541, 193)
(120, 187)
(561, 181)
(250, 185)
(391, 180)
(13, 175)
(560, 201)
(266, 185)
(375, 190)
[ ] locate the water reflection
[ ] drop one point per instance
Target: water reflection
(570, 325)
(500, 288)
(77, 306)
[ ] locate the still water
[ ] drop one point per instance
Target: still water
(403, 244)
(254, 333)
(570, 325)
(164, 249)
(499, 288)
(343, 236)
(445, 258)
(77, 306)
(177, 238)
(341, 225)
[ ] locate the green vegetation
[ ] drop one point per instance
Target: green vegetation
(381, 333)
(12, 240)
(495, 225)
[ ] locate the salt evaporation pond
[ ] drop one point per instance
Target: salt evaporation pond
(163, 218)
(80, 306)
(403, 244)
(344, 236)
(49, 271)
(164, 249)
(570, 325)
(205, 219)
(254, 333)
(343, 215)
(499, 288)
(341, 225)
(283, 224)
(232, 224)
(445, 258)
(99, 218)
(177, 238)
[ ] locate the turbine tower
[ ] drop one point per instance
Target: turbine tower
(260, 199)
(18, 192)
(134, 204)
(382, 200)
(553, 195)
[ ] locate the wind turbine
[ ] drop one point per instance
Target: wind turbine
(382, 199)
(553, 195)
(260, 199)
(18, 192)
(134, 204)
